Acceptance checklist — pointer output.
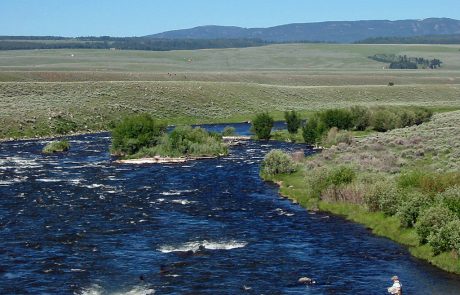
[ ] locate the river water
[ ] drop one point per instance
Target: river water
(77, 223)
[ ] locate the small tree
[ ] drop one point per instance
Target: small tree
(313, 130)
(262, 126)
(293, 121)
(309, 131)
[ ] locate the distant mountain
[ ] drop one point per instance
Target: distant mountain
(332, 31)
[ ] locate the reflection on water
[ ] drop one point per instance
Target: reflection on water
(77, 223)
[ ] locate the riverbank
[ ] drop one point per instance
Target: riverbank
(294, 188)
(385, 170)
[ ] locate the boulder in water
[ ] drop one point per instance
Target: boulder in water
(306, 281)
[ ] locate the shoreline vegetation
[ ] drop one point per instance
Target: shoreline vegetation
(56, 147)
(403, 184)
(142, 139)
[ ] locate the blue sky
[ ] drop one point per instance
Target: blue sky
(143, 17)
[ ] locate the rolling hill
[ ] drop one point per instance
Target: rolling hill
(331, 31)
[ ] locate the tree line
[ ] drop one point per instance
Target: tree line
(128, 43)
(405, 62)
(428, 39)
(332, 126)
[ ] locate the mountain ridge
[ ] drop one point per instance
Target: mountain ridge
(328, 31)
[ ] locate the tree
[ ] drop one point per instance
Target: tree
(310, 131)
(293, 121)
(262, 126)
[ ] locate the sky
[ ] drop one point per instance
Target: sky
(73, 18)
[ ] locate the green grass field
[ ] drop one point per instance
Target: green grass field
(90, 88)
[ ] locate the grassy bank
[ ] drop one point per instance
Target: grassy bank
(30, 109)
(376, 178)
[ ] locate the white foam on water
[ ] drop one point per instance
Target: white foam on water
(195, 246)
(98, 290)
(177, 192)
(182, 202)
(75, 181)
(19, 162)
(12, 181)
(94, 185)
(48, 180)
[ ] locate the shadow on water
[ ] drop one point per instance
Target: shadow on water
(79, 223)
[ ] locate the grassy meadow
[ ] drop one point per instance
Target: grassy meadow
(45, 92)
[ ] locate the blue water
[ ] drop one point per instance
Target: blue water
(77, 223)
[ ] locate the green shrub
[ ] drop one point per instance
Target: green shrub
(341, 175)
(277, 162)
(360, 117)
(64, 126)
(186, 141)
(422, 115)
(429, 182)
(334, 137)
(56, 147)
(431, 220)
(383, 195)
(318, 181)
(411, 208)
(384, 120)
(229, 131)
(406, 118)
(410, 179)
(133, 133)
(447, 238)
(262, 126)
(340, 118)
(293, 121)
(390, 198)
(451, 199)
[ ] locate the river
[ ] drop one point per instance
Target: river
(77, 223)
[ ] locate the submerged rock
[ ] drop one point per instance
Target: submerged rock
(306, 281)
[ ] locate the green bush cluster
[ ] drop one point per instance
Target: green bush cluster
(143, 136)
(433, 212)
(323, 179)
(277, 162)
(56, 147)
(262, 126)
(133, 133)
(186, 141)
(360, 118)
(384, 119)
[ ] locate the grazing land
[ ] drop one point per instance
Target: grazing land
(46, 92)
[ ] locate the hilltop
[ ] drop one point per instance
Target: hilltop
(331, 31)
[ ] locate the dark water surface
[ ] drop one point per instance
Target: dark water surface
(77, 223)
